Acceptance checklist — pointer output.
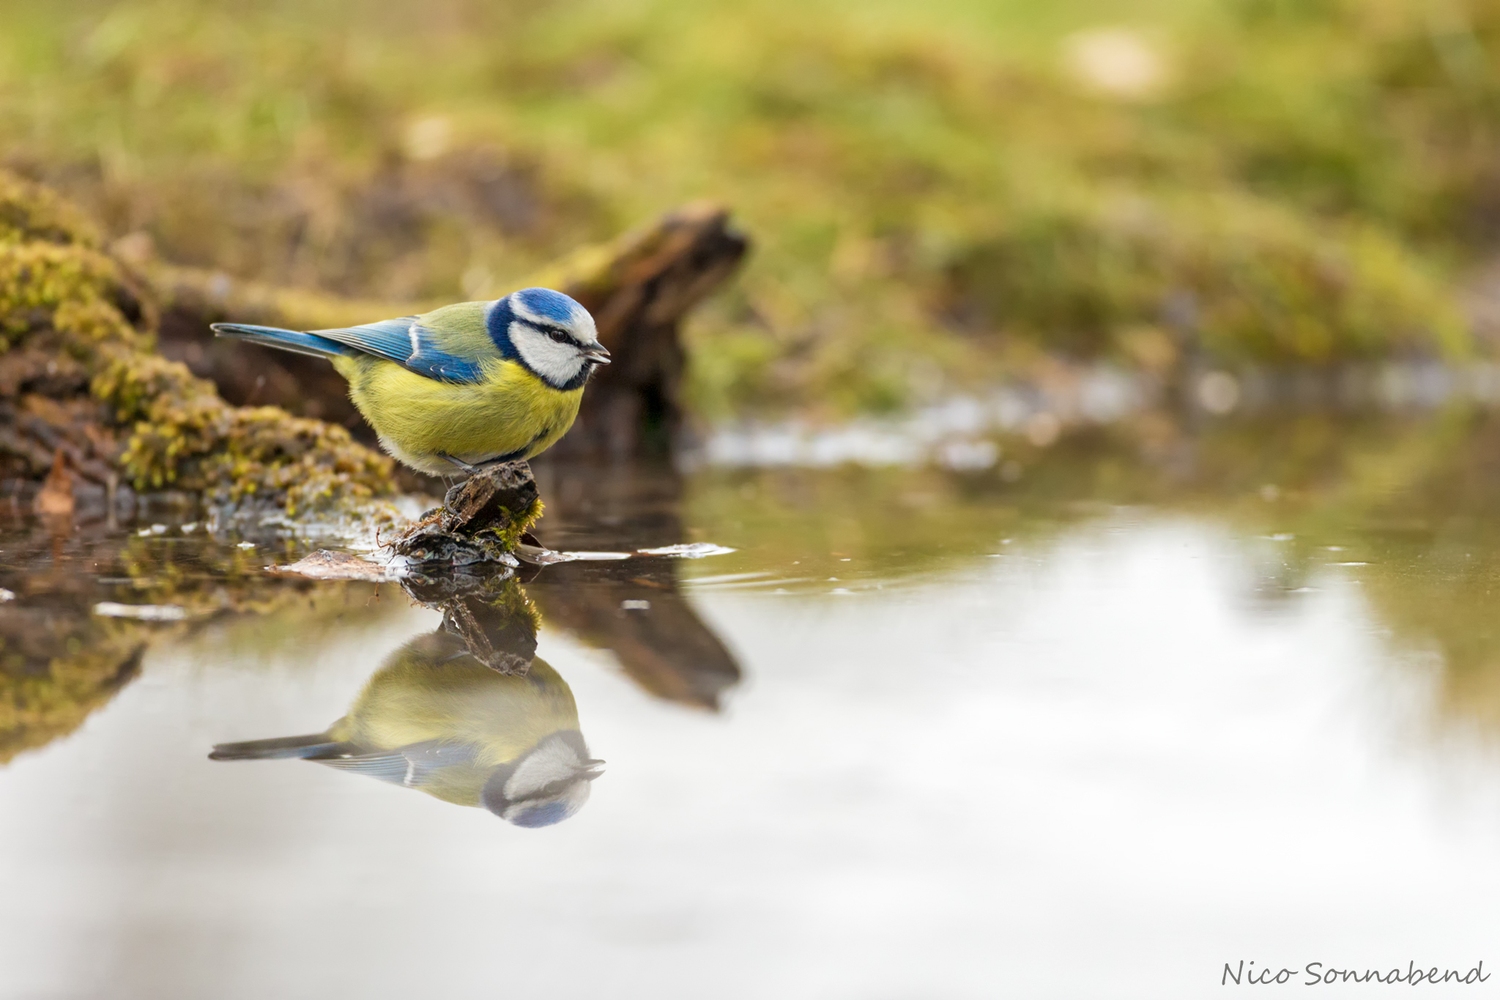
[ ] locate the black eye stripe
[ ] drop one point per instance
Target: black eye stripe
(556, 333)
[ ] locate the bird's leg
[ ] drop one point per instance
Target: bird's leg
(460, 463)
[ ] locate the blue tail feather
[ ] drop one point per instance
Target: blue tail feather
(275, 749)
(286, 340)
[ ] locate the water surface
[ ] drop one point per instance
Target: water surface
(1092, 730)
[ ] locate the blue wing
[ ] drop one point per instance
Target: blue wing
(413, 346)
(410, 765)
(449, 344)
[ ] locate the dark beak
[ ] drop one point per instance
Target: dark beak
(591, 769)
(597, 355)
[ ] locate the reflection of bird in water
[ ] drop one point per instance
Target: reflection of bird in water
(434, 718)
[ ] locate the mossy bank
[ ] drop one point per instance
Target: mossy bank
(82, 387)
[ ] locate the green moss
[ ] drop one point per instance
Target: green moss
(183, 436)
(62, 300)
(508, 535)
(30, 212)
(1244, 279)
(37, 279)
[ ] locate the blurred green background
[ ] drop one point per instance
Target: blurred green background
(941, 194)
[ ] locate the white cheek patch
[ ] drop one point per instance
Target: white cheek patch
(558, 363)
(553, 761)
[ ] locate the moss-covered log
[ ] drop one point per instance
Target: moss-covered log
(81, 385)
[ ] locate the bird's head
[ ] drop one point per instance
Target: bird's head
(546, 785)
(549, 333)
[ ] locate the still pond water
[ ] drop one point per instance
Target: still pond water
(1093, 727)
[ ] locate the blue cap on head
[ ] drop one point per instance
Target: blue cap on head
(543, 815)
(548, 305)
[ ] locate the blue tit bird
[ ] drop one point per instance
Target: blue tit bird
(464, 386)
(435, 719)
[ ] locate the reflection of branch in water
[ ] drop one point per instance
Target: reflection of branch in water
(635, 610)
(466, 714)
(493, 616)
(632, 608)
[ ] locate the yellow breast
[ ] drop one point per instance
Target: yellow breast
(413, 699)
(509, 412)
